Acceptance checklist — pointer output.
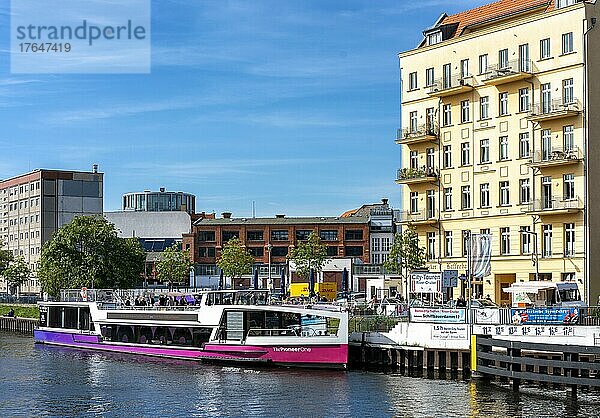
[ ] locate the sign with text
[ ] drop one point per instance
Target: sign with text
(445, 316)
(487, 316)
(450, 278)
(426, 282)
(526, 330)
(449, 332)
(545, 316)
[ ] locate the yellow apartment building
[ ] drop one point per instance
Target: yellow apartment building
(497, 137)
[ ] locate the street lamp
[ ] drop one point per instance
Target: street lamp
(535, 249)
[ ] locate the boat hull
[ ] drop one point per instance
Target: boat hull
(322, 356)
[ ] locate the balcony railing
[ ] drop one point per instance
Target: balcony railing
(424, 132)
(556, 108)
(420, 216)
(555, 204)
(452, 85)
(507, 72)
(557, 156)
(416, 175)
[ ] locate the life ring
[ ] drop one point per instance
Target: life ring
(83, 293)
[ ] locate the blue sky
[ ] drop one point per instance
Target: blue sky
(291, 104)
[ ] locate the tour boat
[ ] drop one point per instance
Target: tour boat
(224, 325)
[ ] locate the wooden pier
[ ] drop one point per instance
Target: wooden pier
(22, 325)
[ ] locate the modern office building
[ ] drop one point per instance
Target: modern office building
(34, 205)
(161, 201)
(497, 134)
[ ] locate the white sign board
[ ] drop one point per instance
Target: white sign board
(449, 332)
(487, 316)
(444, 316)
(426, 282)
(527, 330)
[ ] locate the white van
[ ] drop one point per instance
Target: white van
(541, 294)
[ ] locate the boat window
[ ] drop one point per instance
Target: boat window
(139, 334)
(85, 322)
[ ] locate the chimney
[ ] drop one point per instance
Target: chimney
(226, 215)
(280, 216)
(384, 201)
(162, 189)
(95, 168)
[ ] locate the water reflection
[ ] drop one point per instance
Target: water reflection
(51, 381)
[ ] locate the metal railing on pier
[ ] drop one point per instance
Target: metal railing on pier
(23, 325)
(373, 323)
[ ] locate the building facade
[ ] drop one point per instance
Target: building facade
(161, 201)
(34, 205)
(270, 240)
(497, 138)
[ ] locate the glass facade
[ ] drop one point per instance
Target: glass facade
(161, 201)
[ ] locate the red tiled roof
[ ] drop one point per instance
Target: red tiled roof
(492, 11)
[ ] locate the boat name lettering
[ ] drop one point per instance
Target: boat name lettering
(293, 349)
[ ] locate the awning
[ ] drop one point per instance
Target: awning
(528, 288)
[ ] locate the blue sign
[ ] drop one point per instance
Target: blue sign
(542, 316)
(450, 278)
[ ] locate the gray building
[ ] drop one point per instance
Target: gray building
(34, 205)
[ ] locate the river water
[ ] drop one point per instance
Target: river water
(49, 381)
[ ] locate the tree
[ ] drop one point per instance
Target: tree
(16, 273)
(5, 257)
(235, 260)
(88, 253)
(174, 265)
(308, 255)
(405, 252)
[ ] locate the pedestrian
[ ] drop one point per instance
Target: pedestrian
(11, 313)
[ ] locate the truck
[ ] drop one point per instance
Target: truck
(545, 294)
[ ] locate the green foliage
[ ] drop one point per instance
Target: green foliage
(87, 253)
(405, 252)
(16, 273)
(174, 265)
(5, 257)
(21, 311)
(308, 255)
(235, 260)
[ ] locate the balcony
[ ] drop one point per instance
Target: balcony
(424, 133)
(421, 217)
(507, 73)
(555, 109)
(416, 175)
(554, 206)
(556, 157)
(444, 87)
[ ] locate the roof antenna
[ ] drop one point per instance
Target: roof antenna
(253, 210)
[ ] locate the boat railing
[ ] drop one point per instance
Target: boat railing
(272, 332)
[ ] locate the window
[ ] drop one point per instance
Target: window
(485, 195)
(484, 151)
(431, 245)
(375, 244)
(254, 235)
(434, 38)
(567, 43)
(465, 153)
(466, 197)
(545, 48)
(447, 79)
(525, 240)
(206, 252)
(466, 235)
(430, 158)
(430, 204)
(568, 91)
(353, 235)
(413, 122)
(546, 90)
(447, 156)
(332, 251)
(568, 138)
(569, 186)
(504, 193)
(328, 235)
(447, 114)
(524, 99)
(414, 202)
(229, 235)
(429, 77)
(569, 240)
(302, 234)
(414, 160)
(280, 235)
(524, 151)
(385, 244)
(279, 251)
(484, 107)
(503, 59)
(525, 191)
(483, 64)
(504, 240)
(257, 251)
(564, 3)
(412, 81)
(547, 241)
(354, 251)
(448, 198)
(503, 104)
(524, 62)
(546, 144)
(464, 111)
(448, 243)
(464, 68)
(547, 192)
(503, 148)
(430, 115)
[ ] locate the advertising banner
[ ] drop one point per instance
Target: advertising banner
(558, 316)
(444, 316)
(426, 282)
(487, 316)
(481, 248)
